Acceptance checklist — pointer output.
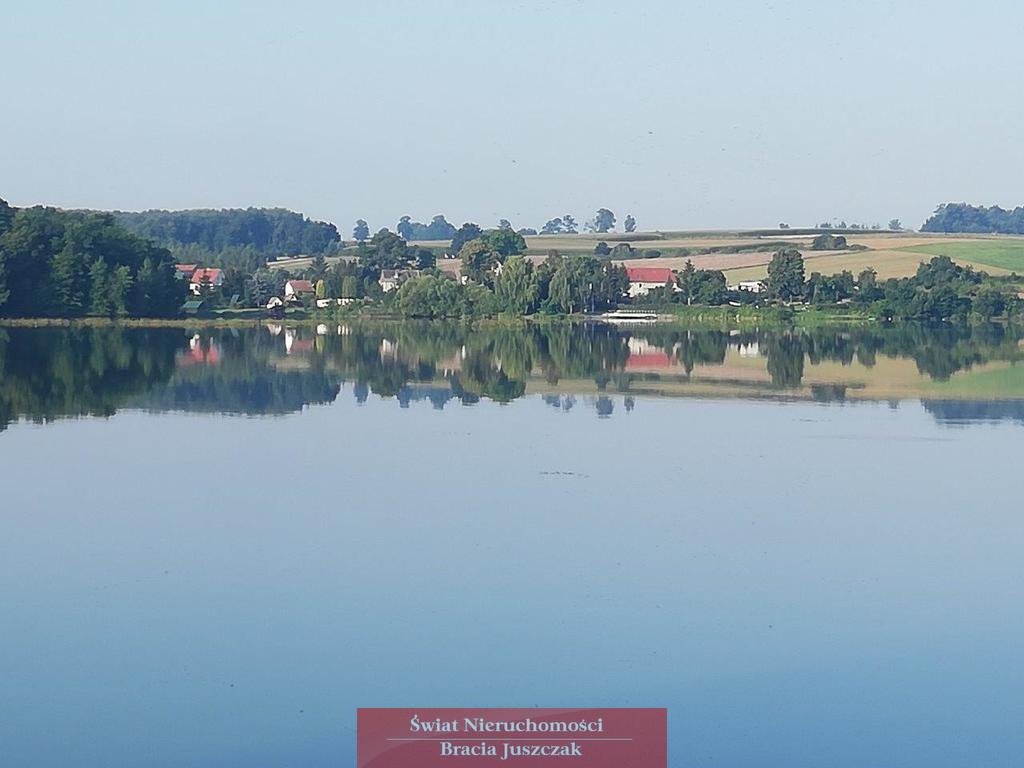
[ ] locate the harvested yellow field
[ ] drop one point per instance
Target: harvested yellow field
(890, 254)
(886, 263)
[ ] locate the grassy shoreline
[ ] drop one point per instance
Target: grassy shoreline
(694, 316)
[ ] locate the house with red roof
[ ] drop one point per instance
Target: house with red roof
(296, 289)
(205, 278)
(642, 280)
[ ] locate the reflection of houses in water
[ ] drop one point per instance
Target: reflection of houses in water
(453, 364)
(293, 345)
(388, 350)
(643, 354)
(199, 353)
(748, 349)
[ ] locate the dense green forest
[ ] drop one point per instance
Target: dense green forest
(961, 217)
(239, 238)
(57, 263)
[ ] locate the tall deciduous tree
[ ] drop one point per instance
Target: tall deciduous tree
(504, 241)
(349, 287)
(786, 275)
(463, 235)
(604, 220)
(478, 260)
(99, 289)
(687, 282)
(70, 281)
(121, 282)
(629, 223)
(361, 231)
(517, 287)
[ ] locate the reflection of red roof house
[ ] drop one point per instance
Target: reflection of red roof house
(643, 354)
(197, 354)
(649, 360)
(209, 275)
(297, 287)
(644, 279)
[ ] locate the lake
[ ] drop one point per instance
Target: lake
(217, 543)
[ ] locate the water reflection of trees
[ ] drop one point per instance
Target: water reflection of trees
(49, 373)
(52, 372)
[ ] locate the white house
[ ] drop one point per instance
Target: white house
(205, 277)
(325, 303)
(392, 279)
(296, 289)
(642, 280)
(751, 286)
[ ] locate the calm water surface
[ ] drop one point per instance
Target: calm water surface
(807, 547)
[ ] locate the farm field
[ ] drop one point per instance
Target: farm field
(886, 262)
(996, 254)
(890, 254)
(893, 256)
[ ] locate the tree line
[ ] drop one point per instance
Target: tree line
(56, 263)
(939, 291)
(440, 228)
(243, 238)
(961, 217)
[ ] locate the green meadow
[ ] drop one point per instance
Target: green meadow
(1008, 255)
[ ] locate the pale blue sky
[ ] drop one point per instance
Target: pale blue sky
(690, 114)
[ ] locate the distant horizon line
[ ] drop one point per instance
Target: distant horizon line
(697, 230)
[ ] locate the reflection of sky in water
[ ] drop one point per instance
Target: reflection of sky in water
(801, 585)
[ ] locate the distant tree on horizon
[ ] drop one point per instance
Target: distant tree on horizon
(361, 231)
(465, 233)
(438, 229)
(604, 220)
(552, 227)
